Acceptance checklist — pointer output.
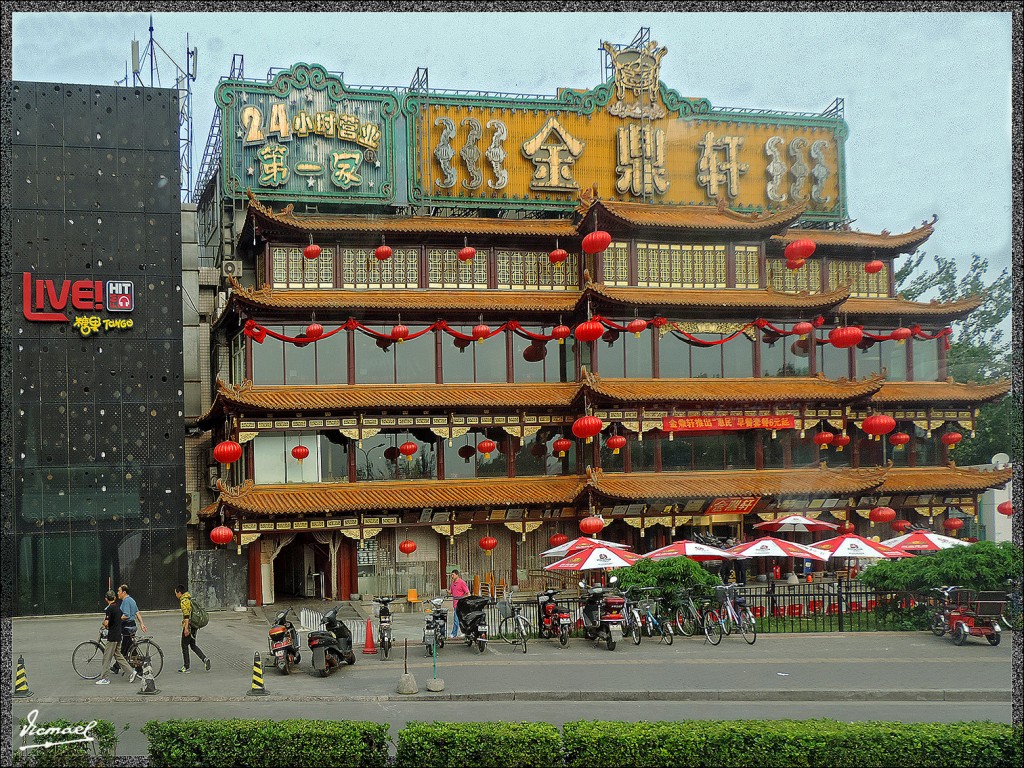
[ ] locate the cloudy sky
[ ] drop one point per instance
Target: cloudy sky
(927, 95)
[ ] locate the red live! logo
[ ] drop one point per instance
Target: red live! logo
(85, 295)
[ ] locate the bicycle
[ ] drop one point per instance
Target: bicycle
(690, 618)
(631, 621)
(735, 615)
(514, 628)
(87, 658)
(651, 624)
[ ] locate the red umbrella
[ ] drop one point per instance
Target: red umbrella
(852, 545)
(797, 523)
(769, 546)
(923, 541)
(575, 545)
(690, 549)
(593, 558)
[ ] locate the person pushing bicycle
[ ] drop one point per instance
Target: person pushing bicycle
(131, 621)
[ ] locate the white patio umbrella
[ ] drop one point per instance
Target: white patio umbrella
(575, 545)
(924, 541)
(769, 546)
(690, 549)
(852, 545)
(595, 558)
(796, 523)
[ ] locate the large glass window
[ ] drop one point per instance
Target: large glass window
(237, 358)
(623, 355)
(414, 360)
(444, 269)
(739, 449)
(277, 362)
(379, 458)
(709, 451)
(533, 271)
(890, 356)
(680, 358)
(641, 452)
(268, 359)
(786, 356)
(738, 358)
(805, 450)
(782, 278)
(299, 361)
(332, 359)
(851, 273)
(926, 359)
(273, 461)
(926, 449)
(361, 269)
(293, 270)
(469, 361)
(774, 449)
(669, 265)
(833, 362)
(536, 361)
(334, 450)
(375, 358)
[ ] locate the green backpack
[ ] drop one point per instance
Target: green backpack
(198, 618)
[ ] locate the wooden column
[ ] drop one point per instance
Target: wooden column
(255, 572)
(515, 561)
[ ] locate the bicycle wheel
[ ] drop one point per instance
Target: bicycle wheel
(725, 621)
(507, 630)
(666, 633)
(144, 648)
(748, 626)
(685, 622)
(522, 635)
(938, 625)
(712, 627)
(87, 659)
(634, 630)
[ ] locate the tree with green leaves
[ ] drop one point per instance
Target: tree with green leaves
(979, 351)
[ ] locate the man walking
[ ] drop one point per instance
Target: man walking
(131, 620)
(112, 625)
(459, 590)
(188, 631)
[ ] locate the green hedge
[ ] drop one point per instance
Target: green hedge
(267, 743)
(464, 745)
(790, 744)
(101, 752)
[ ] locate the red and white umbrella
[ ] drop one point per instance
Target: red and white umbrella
(690, 549)
(853, 546)
(593, 558)
(583, 542)
(796, 523)
(924, 541)
(769, 546)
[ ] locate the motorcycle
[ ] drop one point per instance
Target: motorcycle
(332, 645)
(473, 620)
(435, 626)
(602, 613)
(554, 621)
(384, 626)
(284, 642)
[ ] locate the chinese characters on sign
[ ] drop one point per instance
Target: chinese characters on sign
(711, 423)
(738, 505)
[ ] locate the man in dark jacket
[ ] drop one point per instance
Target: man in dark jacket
(112, 625)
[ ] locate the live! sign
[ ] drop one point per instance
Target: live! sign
(45, 300)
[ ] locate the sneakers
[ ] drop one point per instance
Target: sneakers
(133, 676)
(103, 681)
(183, 671)
(206, 663)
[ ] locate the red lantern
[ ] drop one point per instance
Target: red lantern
(587, 427)
(301, 340)
(408, 449)
(467, 253)
(558, 539)
(382, 252)
(561, 332)
(399, 333)
(1005, 508)
(882, 515)
(561, 446)
(846, 527)
(845, 337)
(901, 335)
(800, 249)
(590, 330)
(487, 543)
(803, 328)
(824, 439)
(314, 331)
(951, 439)
(800, 347)
(467, 452)
(900, 526)
(878, 425)
(535, 352)
(637, 326)
(311, 251)
(407, 547)
(591, 526)
(391, 454)
(227, 452)
(874, 267)
(558, 255)
(299, 452)
(487, 447)
(953, 524)
(222, 535)
(596, 241)
(616, 443)
(899, 439)
(481, 332)
(794, 263)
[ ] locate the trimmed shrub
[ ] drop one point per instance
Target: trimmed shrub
(790, 744)
(983, 566)
(458, 745)
(101, 752)
(669, 576)
(267, 743)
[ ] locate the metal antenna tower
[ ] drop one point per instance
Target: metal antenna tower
(214, 140)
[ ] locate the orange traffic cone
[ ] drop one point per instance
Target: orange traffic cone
(369, 646)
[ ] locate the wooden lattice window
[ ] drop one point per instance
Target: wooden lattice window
(293, 270)
(444, 270)
(861, 283)
(746, 267)
(534, 271)
(782, 278)
(664, 265)
(615, 260)
(360, 269)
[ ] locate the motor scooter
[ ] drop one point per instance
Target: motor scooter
(473, 620)
(384, 626)
(554, 621)
(602, 613)
(435, 625)
(332, 645)
(284, 642)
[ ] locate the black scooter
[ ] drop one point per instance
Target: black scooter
(602, 613)
(284, 642)
(332, 645)
(473, 620)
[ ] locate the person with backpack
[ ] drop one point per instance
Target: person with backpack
(193, 618)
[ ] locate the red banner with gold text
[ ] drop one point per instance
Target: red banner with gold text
(712, 423)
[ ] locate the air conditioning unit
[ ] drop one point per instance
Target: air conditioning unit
(222, 301)
(231, 268)
(212, 476)
(192, 506)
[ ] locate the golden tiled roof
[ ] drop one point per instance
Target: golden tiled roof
(744, 482)
(898, 392)
(749, 390)
(834, 240)
(939, 479)
(723, 298)
(321, 498)
(688, 217)
(857, 308)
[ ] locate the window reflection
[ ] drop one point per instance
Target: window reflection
(926, 359)
(380, 457)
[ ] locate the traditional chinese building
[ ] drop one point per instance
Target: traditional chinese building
(428, 293)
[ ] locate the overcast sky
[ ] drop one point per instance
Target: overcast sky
(928, 95)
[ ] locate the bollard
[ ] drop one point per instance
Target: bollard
(148, 681)
(21, 690)
(257, 689)
(369, 646)
(407, 683)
